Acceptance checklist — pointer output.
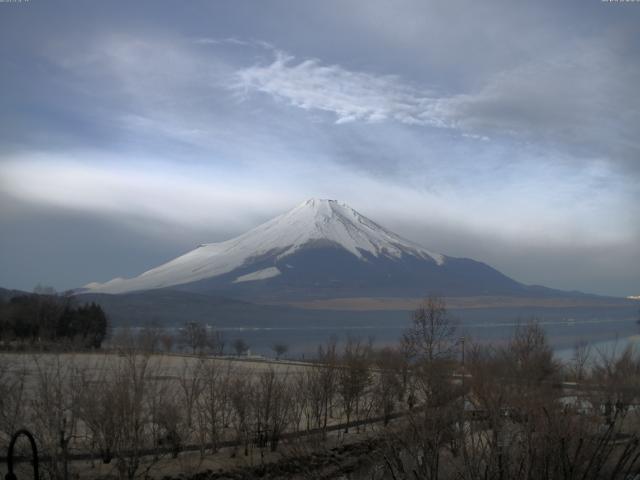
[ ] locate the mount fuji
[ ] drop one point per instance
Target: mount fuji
(320, 249)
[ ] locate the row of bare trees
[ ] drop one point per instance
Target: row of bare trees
(131, 410)
(193, 338)
(502, 413)
(507, 413)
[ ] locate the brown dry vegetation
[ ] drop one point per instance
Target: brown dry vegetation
(488, 301)
(415, 411)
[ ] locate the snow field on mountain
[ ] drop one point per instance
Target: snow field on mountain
(316, 220)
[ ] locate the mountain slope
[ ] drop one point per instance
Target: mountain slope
(320, 249)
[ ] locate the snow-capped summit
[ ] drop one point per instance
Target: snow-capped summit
(331, 221)
(319, 248)
(316, 222)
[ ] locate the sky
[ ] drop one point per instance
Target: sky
(507, 132)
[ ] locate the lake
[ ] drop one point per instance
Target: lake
(564, 327)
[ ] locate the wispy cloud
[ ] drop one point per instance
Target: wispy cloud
(235, 41)
(349, 95)
(580, 100)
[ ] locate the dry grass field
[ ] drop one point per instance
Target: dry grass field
(126, 415)
(414, 411)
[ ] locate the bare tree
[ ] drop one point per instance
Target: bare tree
(240, 397)
(124, 340)
(354, 378)
(214, 405)
(431, 334)
(279, 349)
(272, 407)
(318, 386)
(54, 408)
(193, 335)
(312, 394)
(215, 341)
(240, 347)
(579, 364)
(167, 341)
(415, 448)
(190, 388)
(388, 381)
(12, 397)
(96, 411)
(149, 337)
(512, 389)
(128, 381)
(426, 363)
(616, 381)
(304, 411)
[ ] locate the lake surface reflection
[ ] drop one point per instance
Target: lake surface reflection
(564, 331)
(603, 328)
